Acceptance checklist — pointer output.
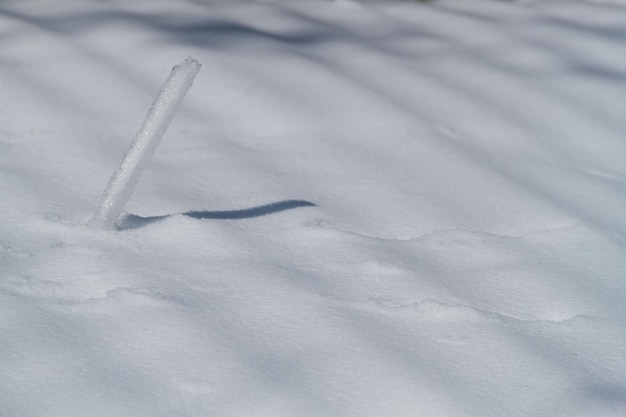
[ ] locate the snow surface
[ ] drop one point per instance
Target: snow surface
(361, 209)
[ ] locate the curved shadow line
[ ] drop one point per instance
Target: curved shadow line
(250, 212)
(132, 221)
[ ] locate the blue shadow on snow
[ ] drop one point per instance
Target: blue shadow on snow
(132, 221)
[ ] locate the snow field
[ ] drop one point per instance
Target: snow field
(400, 209)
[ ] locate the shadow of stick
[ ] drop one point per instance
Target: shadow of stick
(132, 221)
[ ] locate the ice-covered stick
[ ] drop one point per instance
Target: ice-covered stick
(125, 178)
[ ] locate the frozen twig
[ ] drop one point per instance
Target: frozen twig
(125, 178)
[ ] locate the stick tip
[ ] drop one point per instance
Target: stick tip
(191, 63)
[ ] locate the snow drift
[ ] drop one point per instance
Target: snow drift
(400, 209)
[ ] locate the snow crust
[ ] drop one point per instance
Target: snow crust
(362, 208)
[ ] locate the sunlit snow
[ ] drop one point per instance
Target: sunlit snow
(362, 208)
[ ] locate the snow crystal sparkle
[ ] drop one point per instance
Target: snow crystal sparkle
(125, 178)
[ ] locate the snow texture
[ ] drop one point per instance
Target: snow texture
(362, 208)
(145, 142)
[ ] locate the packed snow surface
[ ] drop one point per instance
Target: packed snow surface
(362, 208)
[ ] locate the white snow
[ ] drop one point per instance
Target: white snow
(362, 208)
